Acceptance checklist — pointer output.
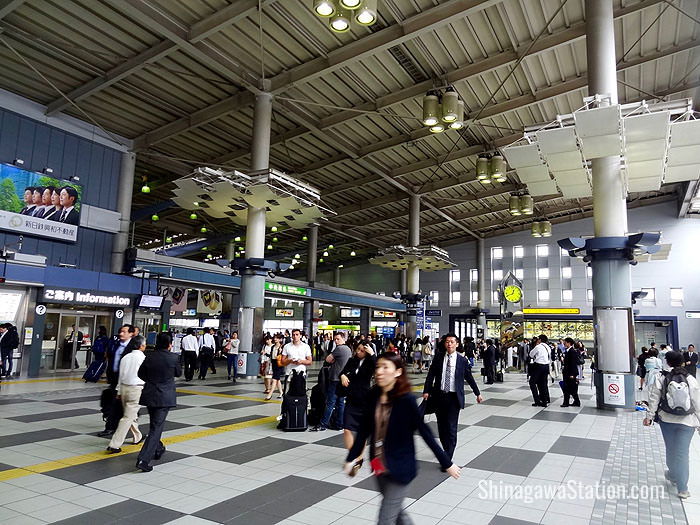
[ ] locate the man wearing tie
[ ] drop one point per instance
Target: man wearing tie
(67, 198)
(445, 384)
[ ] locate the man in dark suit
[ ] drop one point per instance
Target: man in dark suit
(445, 384)
(118, 348)
(159, 371)
(490, 361)
(570, 374)
(68, 198)
(9, 341)
(28, 201)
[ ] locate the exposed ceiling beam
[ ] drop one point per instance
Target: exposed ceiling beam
(509, 57)
(199, 31)
(372, 44)
(7, 6)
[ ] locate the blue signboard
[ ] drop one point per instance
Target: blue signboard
(434, 313)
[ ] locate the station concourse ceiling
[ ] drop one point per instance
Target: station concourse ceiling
(178, 77)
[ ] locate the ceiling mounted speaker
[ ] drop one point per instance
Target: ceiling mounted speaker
(431, 108)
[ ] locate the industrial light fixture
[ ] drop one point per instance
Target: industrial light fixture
(520, 204)
(193, 216)
(497, 168)
(145, 188)
(351, 4)
(352, 253)
(168, 239)
(269, 247)
(437, 128)
(203, 229)
(204, 248)
(297, 256)
(273, 229)
(366, 15)
(340, 21)
(274, 239)
(237, 239)
(482, 169)
(450, 105)
(431, 108)
(155, 217)
(324, 8)
(325, 254)
(320, 260)
(459, 123)
(330, 246)
(535, 229)
(541, 229)
(304, 238)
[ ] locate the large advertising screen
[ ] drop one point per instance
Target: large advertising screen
(36, 204)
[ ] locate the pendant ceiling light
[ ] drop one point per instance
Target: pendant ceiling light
(367, 14)
(535, 229)
(450, 105)
(498, 168)
(459, 123)
(324, 8)
(514, 205)
(431, 109)
(546, 228)
(437, 128)
(526, 204)
(482, 169)
(351, 4)
(340, 21)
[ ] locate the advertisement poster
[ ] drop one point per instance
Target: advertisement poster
(209, 302)
(512, 331)
(177, 298)
(36, 204)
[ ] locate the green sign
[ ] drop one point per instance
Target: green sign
(284, 288)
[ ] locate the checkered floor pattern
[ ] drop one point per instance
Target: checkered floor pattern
(227, 463)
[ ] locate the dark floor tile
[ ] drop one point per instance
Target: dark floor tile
(5, 467)
(243, 403)
(153, 516)
(107, 468)
(593, 411)
(496, 389)
(503, 520)
(73, 400)
(169, 425)
(58, 414)
(15, 401)
(333, 441)
(507, 461)
(110, 514)
(33, 437)
(508, 423)
(232, 421)
(563, 417)
(277, 500)
(580, 447)
(254, 517)
(429, 476)
(433, 426)
(251, 451)
(498, 402)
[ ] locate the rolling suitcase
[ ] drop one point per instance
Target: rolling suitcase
(94, 371)
(294, 414)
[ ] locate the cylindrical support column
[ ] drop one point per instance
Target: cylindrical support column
(336, 277)
(124, 195)
(611, 276)
(364, 320)
(404, 282)
(227, 304)
(252, 298)
(412, 273)
(312, 252)
(483, 300)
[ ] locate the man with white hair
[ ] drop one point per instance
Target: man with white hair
(338, 358)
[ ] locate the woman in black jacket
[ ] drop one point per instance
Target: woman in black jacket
(389, 422)
(356, 381)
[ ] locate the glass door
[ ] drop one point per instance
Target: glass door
(49, 344)
(73, 341)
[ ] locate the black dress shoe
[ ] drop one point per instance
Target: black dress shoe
(159, 454)
(537, 404)
(105, 433)
(575, 404)
(113, 450)
(564, 406)
(143, 466)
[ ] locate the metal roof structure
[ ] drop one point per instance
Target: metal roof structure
(179, 77)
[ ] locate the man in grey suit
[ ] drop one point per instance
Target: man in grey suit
(159, 370)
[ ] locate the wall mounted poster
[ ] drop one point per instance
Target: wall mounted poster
(177, 298)
(209, 302)
(36, 204)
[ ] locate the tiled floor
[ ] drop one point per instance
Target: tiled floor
(227, 463)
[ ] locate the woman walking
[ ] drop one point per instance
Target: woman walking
(277, 369)
(266, 364)
(418, 355)
(356, 380)
(666, 395)
(389, 423)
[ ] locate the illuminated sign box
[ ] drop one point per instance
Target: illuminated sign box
(285, 288)
(76, 296)
(349, 312)
(284, 312)
(552, 311)
(380, 313)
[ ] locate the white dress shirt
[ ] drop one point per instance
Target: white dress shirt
(189, 344)
(208, 340)
(540, 354)
(450, 359)
(129, 368)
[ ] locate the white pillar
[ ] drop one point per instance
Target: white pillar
(483, 291)
(124, 196)
(253, 286)
(413, 274)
